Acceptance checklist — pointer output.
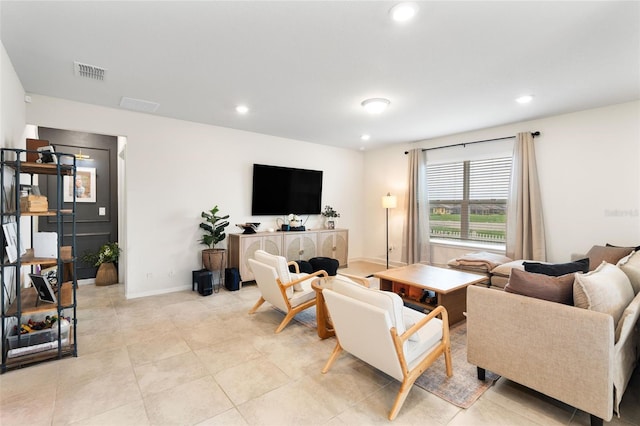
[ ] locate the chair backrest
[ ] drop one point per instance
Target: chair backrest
(266, 276)
(279, 263)
(362, 319)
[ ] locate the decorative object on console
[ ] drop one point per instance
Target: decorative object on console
(249, 227)
(213, 226)
(388, 202)
(294, 220)
(331, 216)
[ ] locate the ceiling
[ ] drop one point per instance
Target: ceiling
(304, 67)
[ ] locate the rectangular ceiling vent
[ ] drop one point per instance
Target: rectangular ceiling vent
(88, 71)
(138, 105)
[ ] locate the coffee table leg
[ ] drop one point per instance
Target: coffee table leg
(325, 329)
(455, 303)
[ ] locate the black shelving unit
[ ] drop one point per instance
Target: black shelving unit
(19, 303)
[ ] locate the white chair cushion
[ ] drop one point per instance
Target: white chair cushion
(281, 267)
(265, 276)
(385, 300)
(424, 339)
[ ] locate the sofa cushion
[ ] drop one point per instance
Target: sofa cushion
(629, 318)
(599, 254)
(504, 270)
(630, 265)
(541, 286)
(606, 289)
(557, 269)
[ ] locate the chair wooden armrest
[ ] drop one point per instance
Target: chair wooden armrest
(295, 265)
(304, 278)
(417, 326)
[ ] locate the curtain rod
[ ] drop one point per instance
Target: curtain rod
(534, 134)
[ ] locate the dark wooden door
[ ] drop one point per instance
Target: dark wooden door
(97, 208)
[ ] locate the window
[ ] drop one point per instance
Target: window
(468, 200)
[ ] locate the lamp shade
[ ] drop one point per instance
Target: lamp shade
(389, 201)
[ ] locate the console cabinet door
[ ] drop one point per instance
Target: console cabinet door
(300, 245)
(334, 244)
(250, 244)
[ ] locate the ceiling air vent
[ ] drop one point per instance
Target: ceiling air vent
(138, 104)
(88, 71)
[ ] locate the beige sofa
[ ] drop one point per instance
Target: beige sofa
(566, 352)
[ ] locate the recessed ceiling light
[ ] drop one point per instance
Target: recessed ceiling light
(403, 12)
(524, 99)
(242, 109)
(365, 137)
(375, 105)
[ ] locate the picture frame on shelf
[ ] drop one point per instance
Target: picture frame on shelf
(43, 288)
(46, 155)
(84, 186)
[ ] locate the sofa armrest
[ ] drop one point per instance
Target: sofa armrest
(561, 351)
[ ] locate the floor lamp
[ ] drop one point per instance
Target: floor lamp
(388, 202)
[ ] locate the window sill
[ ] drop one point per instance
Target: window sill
(476, 245)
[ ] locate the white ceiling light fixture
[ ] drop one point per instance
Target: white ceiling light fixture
(403, 12)
(375, 105)
(525, 99)
(242, 109)
(365, 137)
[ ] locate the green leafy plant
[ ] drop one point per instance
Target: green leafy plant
(109, 252)
(330, 212)
(213, 227)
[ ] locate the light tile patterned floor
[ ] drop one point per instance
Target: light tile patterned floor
(183, 359)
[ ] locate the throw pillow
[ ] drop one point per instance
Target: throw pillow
(504, 270)
(598, 254)
(636, 248)
(545, 287)
(607, 289)
(630, 265)
(557, 269)
(629, 318)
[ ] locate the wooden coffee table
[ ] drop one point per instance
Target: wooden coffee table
(449, 285)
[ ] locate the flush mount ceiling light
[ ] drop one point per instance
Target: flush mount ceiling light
(375, 105)
(403, 12)
(242, 109)
(365, 137)
(525, 99)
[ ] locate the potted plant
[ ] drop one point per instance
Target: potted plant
(331, 216)
(105, 259)
(213, 227)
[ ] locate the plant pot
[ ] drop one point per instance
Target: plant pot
(214, 259)
(107, 274)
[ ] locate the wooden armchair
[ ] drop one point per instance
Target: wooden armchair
(291, 293)
(374, 326)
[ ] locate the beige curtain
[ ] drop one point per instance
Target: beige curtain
(416, 247)
(525, 226)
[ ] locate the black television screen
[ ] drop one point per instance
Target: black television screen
(284, 190)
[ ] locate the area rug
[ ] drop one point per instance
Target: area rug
(463, 388)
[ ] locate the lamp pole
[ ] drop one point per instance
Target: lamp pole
(387, 238)
(388, 202)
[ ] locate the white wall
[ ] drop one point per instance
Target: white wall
(589, 177)
(12, 107)
(176, 169)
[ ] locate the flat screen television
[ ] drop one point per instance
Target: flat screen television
(285, 190)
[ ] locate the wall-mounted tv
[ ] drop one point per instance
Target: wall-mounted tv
(285, 190)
